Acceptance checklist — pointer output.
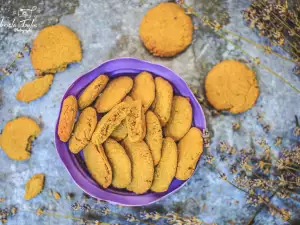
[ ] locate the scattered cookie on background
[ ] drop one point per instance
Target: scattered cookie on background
(181, 118)
(67, 118)
(154, 136)
(92, 91)
(54, 48)
(34, 89)
(144, 89)
(34, 186)
(120, 163)
(166, 30)
(17, 137)
(83, 130)
(97, 164)
(109, 122)
(113, 94)
(166, 169)
(135, 122)
(231, 86)
(142, 166)
(190, 148)
(163, 100)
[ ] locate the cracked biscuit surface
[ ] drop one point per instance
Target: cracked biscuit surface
(54, 48)
(231, 86)
(67, 118)
(142, 166)
(120, 163)
(92, 91)
(35, 89)
(109, 122)
(97, 164)
(166, 30)
(17, 136)
(83, 130)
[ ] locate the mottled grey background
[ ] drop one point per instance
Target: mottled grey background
(109, 29)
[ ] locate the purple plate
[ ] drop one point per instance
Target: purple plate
(75, 163)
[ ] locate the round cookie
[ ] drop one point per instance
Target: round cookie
(166, 30)
(54, 48)
(231, 86)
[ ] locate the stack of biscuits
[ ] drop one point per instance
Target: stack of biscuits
(144, 138)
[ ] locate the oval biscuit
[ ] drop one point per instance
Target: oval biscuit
(166, 169)
(109, 122)
(67, 118)
(142, 166)
(181, 118)
(190, 148)
(97, 164)
(113, 94)
(163, 100)
(144, 89)
(83, 130)
(120, 163)
(92, 91)
(154, 137)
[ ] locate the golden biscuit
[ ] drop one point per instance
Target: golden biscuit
(34, 89)
(67, 118)
(166, 30)
(166, 169)
(135, 122)
(54, 48)
(154, 137)
(142, 166)
(17, 136)
(97, 164)
(144, 89)
(190, 148)
(231, 86)
(113, 94)
(181, 118)
(121, 131)
(83, 130)
(92, 91)
(163, 100)
(109, 122)
(120, 163)
(34, 186)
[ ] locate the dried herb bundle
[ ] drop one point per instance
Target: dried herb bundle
(278, 21)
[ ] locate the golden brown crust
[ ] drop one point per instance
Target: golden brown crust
(109, 122)
(113, 94)
(166, 30)
(83, 130)
(163, 100)
(181, 118)
(190, 148)
(17, 136)
(142, 166)
(92, 91)
(34, 186)
(166, 169)
(232, 86)
(54, 48)
(135, 122)
(67, 118)
(120, 163)
(97, 164)
(144, 89)
(154, 137)
(34, 89)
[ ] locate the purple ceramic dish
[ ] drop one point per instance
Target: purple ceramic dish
(75, 163)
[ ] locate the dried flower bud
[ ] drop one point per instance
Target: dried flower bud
(20, 55)
(76, 206)
(39, 211)
(236, 126)
(13, 211)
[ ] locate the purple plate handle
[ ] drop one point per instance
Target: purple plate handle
(73, 163)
